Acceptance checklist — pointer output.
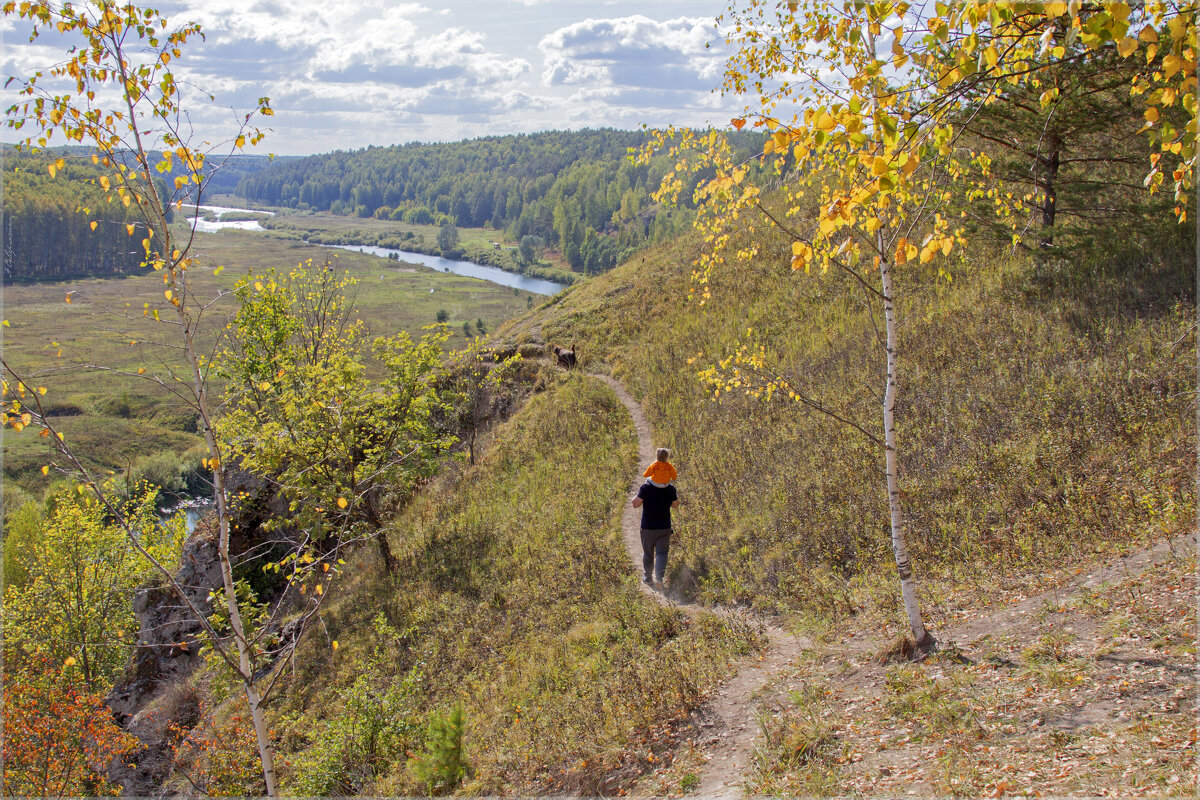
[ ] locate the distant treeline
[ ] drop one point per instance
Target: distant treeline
(48, 221)
(48, 233)
(575, 190)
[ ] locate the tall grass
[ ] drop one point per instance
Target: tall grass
(1046, 414)
(514, 598)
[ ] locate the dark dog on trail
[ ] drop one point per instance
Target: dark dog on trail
(566, 358)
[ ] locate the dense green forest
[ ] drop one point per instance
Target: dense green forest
(576, 191)
(59, 226)
(48, 230)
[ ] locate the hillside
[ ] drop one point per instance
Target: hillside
(1045, 431)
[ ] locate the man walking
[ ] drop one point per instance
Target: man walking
(656, 503)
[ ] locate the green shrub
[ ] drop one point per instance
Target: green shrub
(443, 766)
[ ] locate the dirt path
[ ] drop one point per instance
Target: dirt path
(726, 725)
(726, 728)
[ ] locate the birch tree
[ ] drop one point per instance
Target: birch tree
(864, 104)
(116, 92)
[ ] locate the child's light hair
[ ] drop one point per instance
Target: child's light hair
(663, 454)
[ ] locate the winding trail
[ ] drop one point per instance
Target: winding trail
(726, 724)
(726, 728)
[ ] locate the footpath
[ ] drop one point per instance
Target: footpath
(1088, 689)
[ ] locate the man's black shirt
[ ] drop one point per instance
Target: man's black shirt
(656, 505)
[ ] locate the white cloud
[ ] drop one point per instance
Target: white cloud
(348, 73)
(601, 49)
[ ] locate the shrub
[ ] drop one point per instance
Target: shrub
(443, 766)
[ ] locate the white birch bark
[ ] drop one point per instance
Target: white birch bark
(908, 587)
(266, 751)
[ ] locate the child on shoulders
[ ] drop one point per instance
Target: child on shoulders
(661, 472)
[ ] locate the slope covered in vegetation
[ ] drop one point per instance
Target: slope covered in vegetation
(514, 600)
(1046, 417)
(1045, 427)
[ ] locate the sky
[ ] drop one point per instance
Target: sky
(347, 74)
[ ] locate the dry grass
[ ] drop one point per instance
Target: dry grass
(517, 599)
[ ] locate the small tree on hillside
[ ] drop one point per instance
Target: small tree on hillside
(122, 99)
(77, 575)
(304, 411)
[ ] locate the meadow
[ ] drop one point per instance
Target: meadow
(1046, 418)
(116, 420)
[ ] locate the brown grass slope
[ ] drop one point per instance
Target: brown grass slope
(1046, 419)
(1046, 426)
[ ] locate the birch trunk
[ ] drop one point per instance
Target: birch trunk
(266, 751)
(908, 587)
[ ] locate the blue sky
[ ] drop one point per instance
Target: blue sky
(346, 74)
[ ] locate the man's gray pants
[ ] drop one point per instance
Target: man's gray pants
(655, 545)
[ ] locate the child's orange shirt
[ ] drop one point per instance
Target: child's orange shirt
(660, 472)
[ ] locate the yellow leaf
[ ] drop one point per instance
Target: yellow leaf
(342, 502)
(45, 470)
(879, 166)
(141, 370)
(168, 294)
(1151, 114)
(258, 287)
(93, 224)
(68, 299)
(1053, 10)
(1148, 34)
(801, 253)
(825, 121)
(335, 644)
(737, 123)
(1171, 65)
(70, 662)
(991, 55)
(130, 228)
(1127, 46)
(264, 386)
(319, 589)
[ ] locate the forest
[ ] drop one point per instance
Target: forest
(61, 225)
(576, 191)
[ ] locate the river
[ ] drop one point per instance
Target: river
(466, 268)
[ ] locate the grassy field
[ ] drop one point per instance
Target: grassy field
(117, 420)
(1046, 417)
